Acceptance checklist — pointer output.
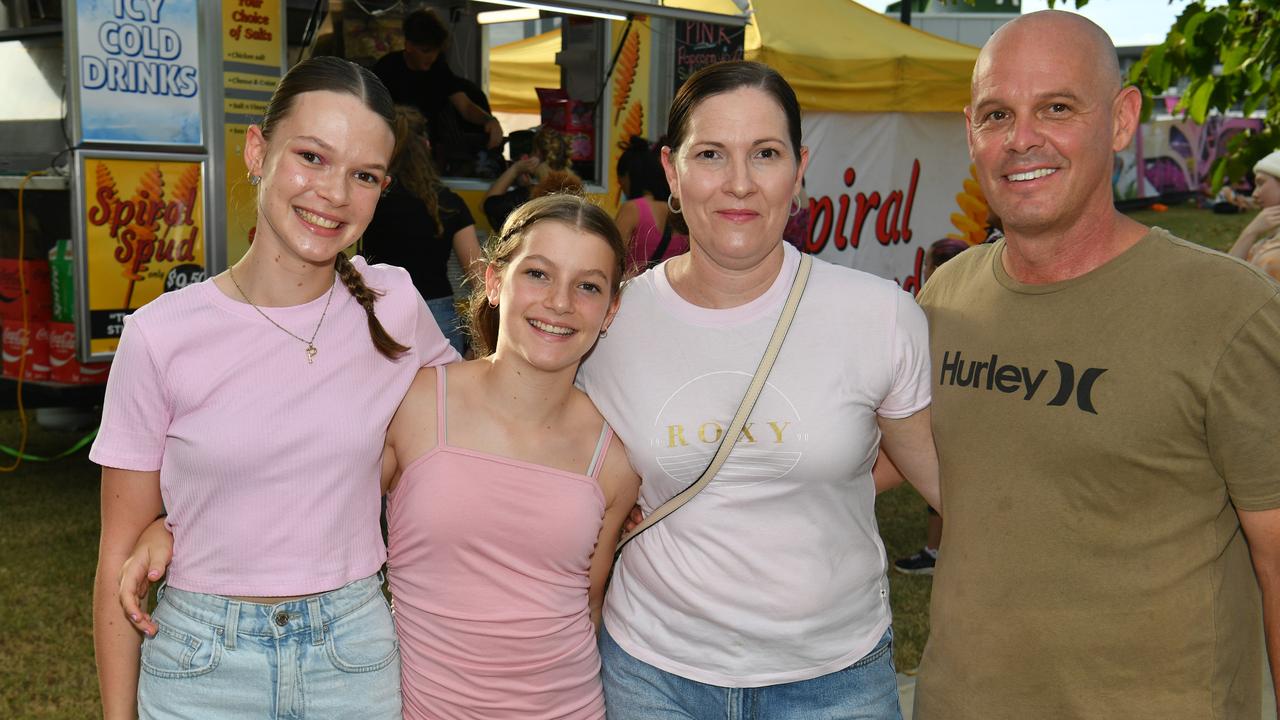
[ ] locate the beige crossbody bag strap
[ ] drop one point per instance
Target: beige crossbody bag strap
(744, 409)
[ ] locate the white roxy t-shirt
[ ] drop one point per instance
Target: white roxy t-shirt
(775, 572)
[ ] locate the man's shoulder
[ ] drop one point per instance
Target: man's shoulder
(1185, 266)
(392, 61)
(958, 273)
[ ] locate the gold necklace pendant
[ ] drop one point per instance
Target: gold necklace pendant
(311, 344)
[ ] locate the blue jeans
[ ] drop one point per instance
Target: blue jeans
(334, 655)
(445, 314)
(635, 690)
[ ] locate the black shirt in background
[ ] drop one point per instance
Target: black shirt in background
(428, 90)
(403, 233)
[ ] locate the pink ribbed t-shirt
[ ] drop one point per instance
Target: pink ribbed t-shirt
(489, 568)
(269, 465)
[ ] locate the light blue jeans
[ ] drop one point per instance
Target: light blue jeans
(635, 690)
(445, 313)
(334, 655)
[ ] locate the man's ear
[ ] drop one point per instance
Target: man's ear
(1125, 114)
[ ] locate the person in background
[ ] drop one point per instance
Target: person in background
(245, 407)
(1105, 416)
(1259, 242)
(922, 562)
(419, 76)
(419, 222)
(653, 233)
(767, 590)
(544, 172)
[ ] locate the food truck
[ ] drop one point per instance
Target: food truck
(122, 126)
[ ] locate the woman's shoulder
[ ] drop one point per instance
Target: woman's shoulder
(844, 279)
(380, 276)
(176, 305)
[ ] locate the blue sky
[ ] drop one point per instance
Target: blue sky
(1129, 22)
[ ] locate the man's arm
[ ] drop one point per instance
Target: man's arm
(1262, 530)
(475, 114)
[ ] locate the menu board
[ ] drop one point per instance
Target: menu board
(699, 44)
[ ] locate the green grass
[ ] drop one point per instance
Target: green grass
(48, 549)
(49, 530)
(1201, 226)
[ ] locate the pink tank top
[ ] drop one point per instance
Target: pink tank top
(489, 560)
(647, 237)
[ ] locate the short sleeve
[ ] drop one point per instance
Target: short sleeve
(136, 412)
(1242, 423)
(444, 81)
(498, 207)
(430, 346)
(909, 348)
(454, 214)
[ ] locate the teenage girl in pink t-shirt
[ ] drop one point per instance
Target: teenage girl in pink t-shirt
(250, 407)
(507, 489)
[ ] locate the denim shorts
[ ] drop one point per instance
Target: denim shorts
(635, 690)
(445, 313)
(334, 655)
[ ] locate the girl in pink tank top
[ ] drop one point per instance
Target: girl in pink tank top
(510, 490)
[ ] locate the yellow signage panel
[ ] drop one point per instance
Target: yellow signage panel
(143, 217)
(252, 60)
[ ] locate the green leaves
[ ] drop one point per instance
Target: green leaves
(1226, 55)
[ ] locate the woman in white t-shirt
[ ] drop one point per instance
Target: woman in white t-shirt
(767, 591)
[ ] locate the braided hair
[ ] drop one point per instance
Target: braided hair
(334, 74)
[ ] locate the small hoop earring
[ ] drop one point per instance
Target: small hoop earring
(604, 334)
(493, 304)
(795, 206)
(254, 179)
(673, 208)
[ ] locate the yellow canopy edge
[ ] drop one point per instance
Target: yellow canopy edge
(838, 55)
(515, 69)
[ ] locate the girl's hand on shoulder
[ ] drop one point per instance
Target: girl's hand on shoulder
(147, 564)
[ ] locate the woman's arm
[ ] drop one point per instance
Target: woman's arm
(130, 501)
(620, 486)
(1266, 221)
(885, 474)
(909, 444)
(151, 556)
(467, 247)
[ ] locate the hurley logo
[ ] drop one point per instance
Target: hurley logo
(1011, 379)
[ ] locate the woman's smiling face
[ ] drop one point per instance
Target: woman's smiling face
(735, 175)
(322, 170)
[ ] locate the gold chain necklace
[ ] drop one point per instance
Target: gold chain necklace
(311, 344)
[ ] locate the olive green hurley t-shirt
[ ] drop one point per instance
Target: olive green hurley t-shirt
(1096, 437)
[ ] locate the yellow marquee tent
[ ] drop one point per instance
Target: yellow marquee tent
(515, 69)
(838, 55)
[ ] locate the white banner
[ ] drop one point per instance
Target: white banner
(884, 186)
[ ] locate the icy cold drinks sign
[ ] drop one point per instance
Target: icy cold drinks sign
(137, 66)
